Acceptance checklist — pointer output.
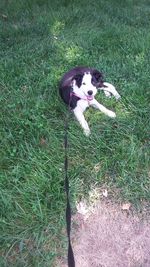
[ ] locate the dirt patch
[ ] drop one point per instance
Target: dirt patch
(107, 236)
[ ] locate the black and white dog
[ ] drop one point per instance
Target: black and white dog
(78, 88)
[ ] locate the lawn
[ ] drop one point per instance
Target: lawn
(40, 40)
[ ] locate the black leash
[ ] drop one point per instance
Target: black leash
(71, 262)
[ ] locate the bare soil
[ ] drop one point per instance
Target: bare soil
(108, 235)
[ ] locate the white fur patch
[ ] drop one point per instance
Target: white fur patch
(110, 89)
(86, 86)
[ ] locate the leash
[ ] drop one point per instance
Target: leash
(71, 261)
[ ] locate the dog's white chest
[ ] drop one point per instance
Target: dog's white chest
(82, 105)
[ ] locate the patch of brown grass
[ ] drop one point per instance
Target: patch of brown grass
(109, 236)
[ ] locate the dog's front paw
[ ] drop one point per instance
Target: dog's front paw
(111, 114)
(87, 132)
(117, 96)
(107, 94)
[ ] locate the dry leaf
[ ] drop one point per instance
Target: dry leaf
(126, 206)
(4, 16)
(97, 167)
(24, 88)
(42, 141)
(82, 208)
(105, 193)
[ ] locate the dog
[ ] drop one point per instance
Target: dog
(78, 88)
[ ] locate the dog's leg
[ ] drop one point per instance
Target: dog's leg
(103, 109)
(80, 117)
(110, 89)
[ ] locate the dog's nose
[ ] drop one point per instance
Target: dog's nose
(90, 92)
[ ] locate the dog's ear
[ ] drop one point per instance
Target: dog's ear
(78, 78)
(98, 77)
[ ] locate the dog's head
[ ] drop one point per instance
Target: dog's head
(87, 83)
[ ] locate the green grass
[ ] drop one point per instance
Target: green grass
(40, 40)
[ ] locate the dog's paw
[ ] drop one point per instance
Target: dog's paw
(87, 132)
(111, 114)
(107, 94)
(117, 96)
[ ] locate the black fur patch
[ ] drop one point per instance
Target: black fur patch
(97, 78)
(78, 78)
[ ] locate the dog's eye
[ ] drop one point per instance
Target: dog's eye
(84, 83)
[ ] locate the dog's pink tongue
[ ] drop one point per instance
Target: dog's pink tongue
(90, 97)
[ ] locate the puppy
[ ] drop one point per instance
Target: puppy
(78, 88)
